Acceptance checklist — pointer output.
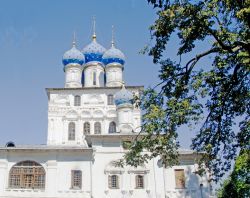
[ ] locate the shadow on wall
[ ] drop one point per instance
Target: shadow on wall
(196, 183)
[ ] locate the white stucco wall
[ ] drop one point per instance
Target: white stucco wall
(89, 70)
(73, 75)
(93, 108)
(95, 166)
(114, 76)
(57, 165)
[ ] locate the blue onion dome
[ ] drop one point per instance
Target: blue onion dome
(73, 56)
(113, 55)
(123, 97)
(93, 51)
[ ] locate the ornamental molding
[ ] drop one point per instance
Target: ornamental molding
(113, 172)
(74, 66)
(138, 171)
(96, 64)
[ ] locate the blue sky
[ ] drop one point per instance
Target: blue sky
(34, 34)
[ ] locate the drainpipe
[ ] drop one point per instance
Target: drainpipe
(201, 185)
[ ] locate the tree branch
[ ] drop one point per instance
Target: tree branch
(196, 59)
(223, 46)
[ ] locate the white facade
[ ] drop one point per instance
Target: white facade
(93, 75)
(73, 76)
(114, 75)
(87, 127)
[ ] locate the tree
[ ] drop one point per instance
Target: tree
(238, 183)
(215, 95)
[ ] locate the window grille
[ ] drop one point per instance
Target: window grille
(71, 131)
(77, 101)
(76, 179)
(86, 128)
(113, 181)
(112, 127)
(179, 178)
(139, 181)
(110, 99)
(28, 175)
(98, 128)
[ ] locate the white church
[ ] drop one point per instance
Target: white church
(90, 121)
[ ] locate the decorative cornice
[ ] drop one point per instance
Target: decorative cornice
(45, 148)
(114, 171)
(94, 88)
(93, 63)
(138, 171)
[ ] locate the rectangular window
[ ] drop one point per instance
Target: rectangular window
(179, 178)
(113, 181)
(110, 99)
(86, 128)
(76, 179)
(77, 101)
(71, 131)
(139, 181)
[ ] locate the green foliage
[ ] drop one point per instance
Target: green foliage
(154, 126)
(126, 145)
(238, 184)
(189, 92)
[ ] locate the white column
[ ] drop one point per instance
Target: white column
(51, 178)
(130, 181)
(49, 132)
(3, 176)
(122, 182)
(106, 181)
(78, 131)
(64, 132)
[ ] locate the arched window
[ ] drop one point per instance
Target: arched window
(77, 101)
(112, 127)
(98, 128)
(139, 181)
(71, 131)
(27, 174)
(110, 99)
(86, 128)
(113, 181)
(94, 78)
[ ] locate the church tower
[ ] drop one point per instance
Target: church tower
(90, 129)
(82, 109)
(94, 67)
(114, 60)
(124, 107)
(73, 60)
